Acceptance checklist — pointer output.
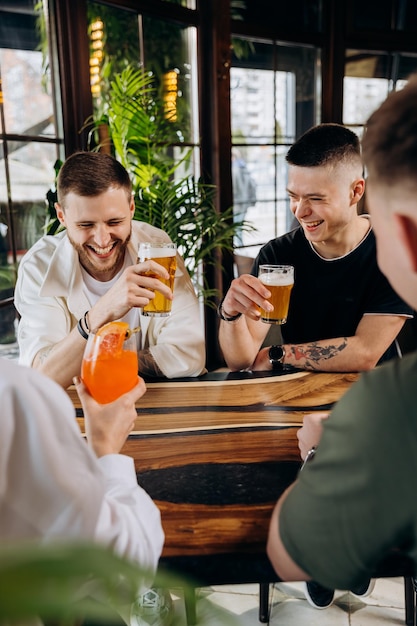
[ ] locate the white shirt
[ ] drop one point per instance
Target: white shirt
(52, 486)
(50, 297)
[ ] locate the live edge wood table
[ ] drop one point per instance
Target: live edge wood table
(215, 452)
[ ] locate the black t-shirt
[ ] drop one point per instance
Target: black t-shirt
(330, 296)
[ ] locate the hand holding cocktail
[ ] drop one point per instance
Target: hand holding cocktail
(107, 426)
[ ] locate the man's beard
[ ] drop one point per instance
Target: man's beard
(101, 270)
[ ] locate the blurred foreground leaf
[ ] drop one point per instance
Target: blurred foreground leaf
(69, 582)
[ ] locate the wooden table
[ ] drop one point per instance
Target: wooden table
(216, 452)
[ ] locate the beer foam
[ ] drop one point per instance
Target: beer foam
(276, 280)
(156, 253)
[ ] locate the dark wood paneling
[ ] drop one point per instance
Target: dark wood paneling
(74, 68)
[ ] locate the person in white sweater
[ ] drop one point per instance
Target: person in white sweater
(54, 487)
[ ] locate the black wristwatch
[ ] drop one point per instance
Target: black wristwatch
(276, 357)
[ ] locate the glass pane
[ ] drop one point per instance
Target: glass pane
(253, 102)
(28, 103)
(5, 246)
(190, 4)
(31, 171)
(260, 194)
(7, 280)
(299, 15)
(114, 44)
(273, 100)
(368, 16)
(365, 86)
(407, 64)
(119, 38)
(407, 19)
(369, 77)
(386, 16)
(8, 322)
(188, 160)
(7, 276)
(170, 53)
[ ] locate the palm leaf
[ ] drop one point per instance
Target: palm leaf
(165, 197)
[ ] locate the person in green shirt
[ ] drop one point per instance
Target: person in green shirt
(354, 502)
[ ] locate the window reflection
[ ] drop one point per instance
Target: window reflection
(28, 108)
(273, 100)
(114, 44)
(369, 77)
(119, 38)
(170, 51)
(190, 4)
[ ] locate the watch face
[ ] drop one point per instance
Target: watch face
(276, 354)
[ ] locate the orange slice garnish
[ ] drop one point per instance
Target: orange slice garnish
(113, 335)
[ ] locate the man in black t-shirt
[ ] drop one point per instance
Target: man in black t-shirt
(343, 315)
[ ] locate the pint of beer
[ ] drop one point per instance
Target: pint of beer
(279, 279)
(163, 253)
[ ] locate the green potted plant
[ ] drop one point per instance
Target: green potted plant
(167, 195)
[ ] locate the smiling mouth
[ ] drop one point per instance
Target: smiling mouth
(102, 252)
(312, 225)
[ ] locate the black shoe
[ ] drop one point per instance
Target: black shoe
(365, 589)
(318, 596)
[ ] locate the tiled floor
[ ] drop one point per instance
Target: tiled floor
(290, 608)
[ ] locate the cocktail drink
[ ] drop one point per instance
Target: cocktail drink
(279, 279)
(110, 362)
(163, 253)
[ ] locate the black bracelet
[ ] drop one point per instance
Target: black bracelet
(86, 321)
(81, 329)
(222, 314)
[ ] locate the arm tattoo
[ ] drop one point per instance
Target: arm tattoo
(147, 364)
(313, 353)
(43, 354)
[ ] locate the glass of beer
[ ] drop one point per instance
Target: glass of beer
(279, 279)
(163, 253)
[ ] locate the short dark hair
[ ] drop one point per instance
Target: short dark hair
(390, 139)
(325, 144)
(90, 174)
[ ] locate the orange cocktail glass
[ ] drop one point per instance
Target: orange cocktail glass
(110, 362)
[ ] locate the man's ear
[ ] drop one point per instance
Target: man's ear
(358, 189)
(60, 213)
(132, 206)
(407, 233)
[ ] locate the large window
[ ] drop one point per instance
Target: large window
(30, 140)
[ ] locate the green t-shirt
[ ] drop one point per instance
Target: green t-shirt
(358, 498)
